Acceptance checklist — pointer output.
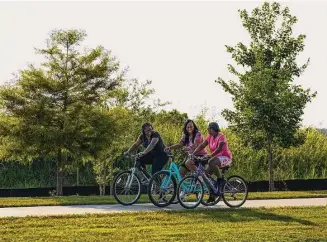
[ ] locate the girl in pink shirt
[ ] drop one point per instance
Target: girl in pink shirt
(190, 140)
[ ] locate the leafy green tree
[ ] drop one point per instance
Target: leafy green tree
(52, 111)
(267, 104)
(128, 106)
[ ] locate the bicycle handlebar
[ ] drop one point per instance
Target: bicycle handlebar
(200, 158)
(137, 155)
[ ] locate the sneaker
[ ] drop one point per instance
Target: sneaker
(219, 185)
(211, 198)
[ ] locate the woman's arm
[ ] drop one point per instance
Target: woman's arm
(197, 142)
(219, 149)
(200, 147)
(135, 146)
(176, 146)
(150, 147)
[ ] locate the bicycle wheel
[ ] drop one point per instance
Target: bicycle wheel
(162, 188)
(190, 192)
(206, 195)
(127, 188)
(235, 192)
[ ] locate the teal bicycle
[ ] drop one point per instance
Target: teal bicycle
(162, 189)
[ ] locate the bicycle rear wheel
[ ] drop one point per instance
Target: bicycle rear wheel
(235, 192)
(127, 188)
(190, 192)
(162, 188)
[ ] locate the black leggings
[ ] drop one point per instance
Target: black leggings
(158, 161)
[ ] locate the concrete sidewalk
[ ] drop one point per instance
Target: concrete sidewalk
(116, 208)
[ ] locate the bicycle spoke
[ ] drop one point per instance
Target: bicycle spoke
(127, 188)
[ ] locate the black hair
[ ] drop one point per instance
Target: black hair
(187, 135)
(214, 126)
(144, 126)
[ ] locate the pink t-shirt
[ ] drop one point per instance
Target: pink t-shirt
(214, 144)
(198, 139)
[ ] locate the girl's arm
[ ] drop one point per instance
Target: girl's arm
(150, 147)
(135, 146)
(219, 149)
(175, 146)
(200, 147)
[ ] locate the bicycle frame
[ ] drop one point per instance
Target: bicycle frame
(173, 171)
(200, 171)
(137, 167)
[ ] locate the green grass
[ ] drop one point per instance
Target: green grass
(277, 224)
(80, 200)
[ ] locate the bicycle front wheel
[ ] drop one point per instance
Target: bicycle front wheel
(235, 192)
(190, 192)
(127, 188)
(162, 188)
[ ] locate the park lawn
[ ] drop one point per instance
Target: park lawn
(83, 200)
(274, 224)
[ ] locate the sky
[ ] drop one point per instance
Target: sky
(179, 46)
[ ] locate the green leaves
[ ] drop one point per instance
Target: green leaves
(54, 110)
(264, 97)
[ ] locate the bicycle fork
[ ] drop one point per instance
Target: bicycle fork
(130, 179)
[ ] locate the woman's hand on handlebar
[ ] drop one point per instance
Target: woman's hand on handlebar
(167, 149)
(139, 155)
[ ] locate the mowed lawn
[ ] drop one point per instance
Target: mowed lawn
(277, 224)
(82, 200)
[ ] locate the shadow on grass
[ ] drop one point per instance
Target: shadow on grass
(214, 214)
(244, 215)
(94, 200)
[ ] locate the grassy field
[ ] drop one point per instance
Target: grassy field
(80, 200)
(278, 224)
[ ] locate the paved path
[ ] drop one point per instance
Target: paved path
(115, 208)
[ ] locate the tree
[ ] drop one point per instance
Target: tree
(128, 107)
(52, 111)
(267, 104)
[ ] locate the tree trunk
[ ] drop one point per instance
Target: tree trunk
(104, 179)
(77, 176)
(111, 178)
(102, 186)
(59, 191)
(270, 164)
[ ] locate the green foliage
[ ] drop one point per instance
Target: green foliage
(52, 111)
(308, 160)
(305, 161)
(42, 174)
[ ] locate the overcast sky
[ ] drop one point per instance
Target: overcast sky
(180, 46)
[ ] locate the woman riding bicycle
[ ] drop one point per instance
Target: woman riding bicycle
(190, 140)
(154, 148)
(220, 156)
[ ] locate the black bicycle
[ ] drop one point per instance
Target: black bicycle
(127, 184)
